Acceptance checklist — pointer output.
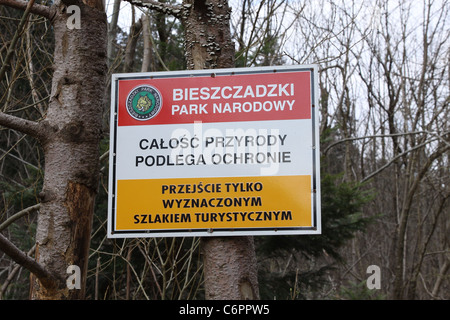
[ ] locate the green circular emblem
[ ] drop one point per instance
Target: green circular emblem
(144, 102)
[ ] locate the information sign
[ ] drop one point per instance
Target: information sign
(225, 152)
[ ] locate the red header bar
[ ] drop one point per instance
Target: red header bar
(222, 98)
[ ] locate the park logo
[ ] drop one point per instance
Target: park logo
(144, 102)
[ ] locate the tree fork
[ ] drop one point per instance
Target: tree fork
(230, 268)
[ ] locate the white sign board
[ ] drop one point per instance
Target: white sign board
(224, 152)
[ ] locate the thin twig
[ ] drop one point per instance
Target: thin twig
(12, 46)
(19, 215)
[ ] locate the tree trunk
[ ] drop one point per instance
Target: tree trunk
(229, 262)
(230, 268)
(147, 57)
(72, 148)
(112, 31)
(208, 41)
(130, 51)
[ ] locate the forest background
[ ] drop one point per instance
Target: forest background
(384, 80)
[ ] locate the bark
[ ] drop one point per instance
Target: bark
(208, 43)
(38, 130)
(147, 58)
(71, 150)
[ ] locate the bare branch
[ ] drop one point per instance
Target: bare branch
(19, 215)
(432, 157)
(441, 276)
(165, 8)
(32, 128)
(38, 9)
(12, 46)
(48, 280)
(378, 136)
(8, 280)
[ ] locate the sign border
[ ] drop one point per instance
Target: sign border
(315, 199)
